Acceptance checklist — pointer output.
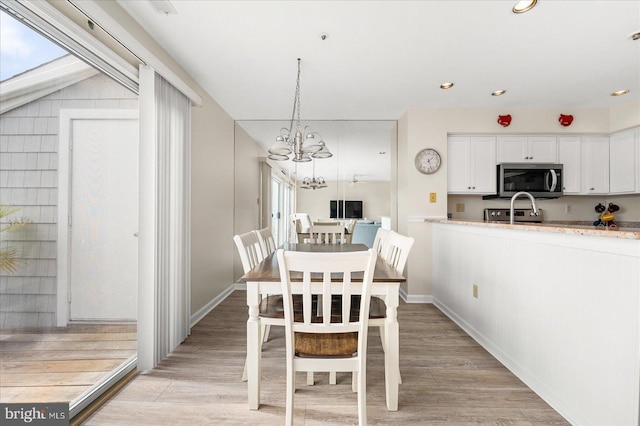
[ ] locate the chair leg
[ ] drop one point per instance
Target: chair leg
(291, 388)
(362, 397)
(265, 331)
(332, 377)
(354, 381)
(310, 378)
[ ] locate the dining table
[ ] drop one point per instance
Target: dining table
(264, 279)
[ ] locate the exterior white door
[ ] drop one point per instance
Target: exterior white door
(103, 219)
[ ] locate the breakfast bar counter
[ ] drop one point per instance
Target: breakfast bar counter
(629, 230)
(557, 304)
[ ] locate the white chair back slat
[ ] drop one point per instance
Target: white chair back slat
(379, 242)
(345, 264)
(325, 233)
(267, 242)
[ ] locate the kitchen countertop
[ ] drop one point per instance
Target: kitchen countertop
(629, 230)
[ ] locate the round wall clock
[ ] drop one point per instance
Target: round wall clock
(427, 161)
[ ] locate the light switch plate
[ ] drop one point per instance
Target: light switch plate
(432, 197)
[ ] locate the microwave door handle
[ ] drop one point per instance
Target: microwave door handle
(554, 180)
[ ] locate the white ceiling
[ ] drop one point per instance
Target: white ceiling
(383, 57)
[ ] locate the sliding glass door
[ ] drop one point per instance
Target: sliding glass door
(281, 208)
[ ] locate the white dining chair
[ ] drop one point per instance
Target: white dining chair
(327, 233)
(268, 246)
(394, 250)
(336, 341)
(270, 309)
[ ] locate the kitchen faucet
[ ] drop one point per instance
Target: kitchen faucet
(536, 212)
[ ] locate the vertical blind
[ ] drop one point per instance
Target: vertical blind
(172, 259)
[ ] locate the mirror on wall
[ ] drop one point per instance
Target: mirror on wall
(359, 170)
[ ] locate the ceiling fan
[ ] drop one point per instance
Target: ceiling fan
(356, 180)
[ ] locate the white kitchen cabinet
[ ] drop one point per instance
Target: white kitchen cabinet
(471, 165)
(594, 160)
(569, 157)
(623, 163)
(523, 149)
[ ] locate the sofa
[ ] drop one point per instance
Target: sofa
(364, 232)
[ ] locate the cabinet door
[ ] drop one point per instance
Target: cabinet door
(458, 170)
(483, 164)
(569, 156)
(541, 149)
(622, 163)
(595, 165)
(512, 149)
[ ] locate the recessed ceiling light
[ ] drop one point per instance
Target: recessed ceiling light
(447, 85)
(635, 36)
(499, 92)
(620, 92)
(523, 6)
(163, 6)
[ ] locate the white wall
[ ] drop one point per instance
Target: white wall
(428, 127)
(374, 195)
(246, 188)
(212, 215)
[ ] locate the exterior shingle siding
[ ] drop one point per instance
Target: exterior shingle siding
(28, 181)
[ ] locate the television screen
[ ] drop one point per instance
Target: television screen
(340, 209)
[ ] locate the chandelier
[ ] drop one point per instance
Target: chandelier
(313, 182)
(292, 140)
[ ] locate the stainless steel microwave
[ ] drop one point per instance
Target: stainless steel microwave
(542, 180)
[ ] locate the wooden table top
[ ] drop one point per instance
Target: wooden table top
(268, 270)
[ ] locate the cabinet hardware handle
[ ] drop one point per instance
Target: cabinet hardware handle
(591, 189)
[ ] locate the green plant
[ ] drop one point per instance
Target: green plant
(10, 259)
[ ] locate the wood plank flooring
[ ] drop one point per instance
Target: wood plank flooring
(59, 364)
(448, 379)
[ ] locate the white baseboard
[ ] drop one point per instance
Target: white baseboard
(202, 312)
(415, 298)
(548, 395)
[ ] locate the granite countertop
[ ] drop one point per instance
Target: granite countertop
(625, 230)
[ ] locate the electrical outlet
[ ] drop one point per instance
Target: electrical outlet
(475, 291)
(567, 208)
(459, 207)
(432, 197)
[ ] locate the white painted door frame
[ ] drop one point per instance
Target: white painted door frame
(64, 174)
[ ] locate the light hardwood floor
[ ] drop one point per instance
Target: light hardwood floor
(59, 364)
(447, 379)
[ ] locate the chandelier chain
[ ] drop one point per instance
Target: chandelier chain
(296, 103)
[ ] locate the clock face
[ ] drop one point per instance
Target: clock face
(427, 161)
